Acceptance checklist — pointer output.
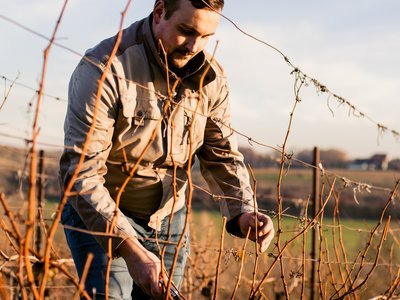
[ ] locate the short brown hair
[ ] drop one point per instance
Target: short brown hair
(172, 5)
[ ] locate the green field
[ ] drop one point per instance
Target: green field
(355, 233)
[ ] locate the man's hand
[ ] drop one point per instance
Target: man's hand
(143, 266)
(265, 228)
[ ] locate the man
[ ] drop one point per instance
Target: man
(164, 100)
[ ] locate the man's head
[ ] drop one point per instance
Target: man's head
(184, 26)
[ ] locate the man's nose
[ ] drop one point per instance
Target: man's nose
(193, 44)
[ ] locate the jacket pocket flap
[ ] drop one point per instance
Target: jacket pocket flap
(140, 108)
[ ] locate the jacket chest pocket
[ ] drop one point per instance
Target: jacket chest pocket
(138, 125)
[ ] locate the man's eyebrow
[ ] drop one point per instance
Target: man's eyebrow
(194, 30)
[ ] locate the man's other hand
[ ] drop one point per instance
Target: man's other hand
(143, 266)
(265, 228)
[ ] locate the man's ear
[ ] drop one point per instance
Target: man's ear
(158, 11)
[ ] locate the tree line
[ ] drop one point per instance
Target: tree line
(330, 158)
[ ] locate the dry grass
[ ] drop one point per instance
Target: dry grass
(206, 229)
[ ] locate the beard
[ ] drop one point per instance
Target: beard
(179, 58)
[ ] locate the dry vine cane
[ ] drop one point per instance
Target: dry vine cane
(297, 86)
(287, 243)
(32, 187)
(354, 287)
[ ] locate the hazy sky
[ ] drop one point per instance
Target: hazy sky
(352, 47)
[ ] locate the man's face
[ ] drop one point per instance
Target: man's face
(185, 33)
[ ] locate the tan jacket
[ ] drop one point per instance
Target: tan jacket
(128, 120)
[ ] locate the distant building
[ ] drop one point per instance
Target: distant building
(375, 162)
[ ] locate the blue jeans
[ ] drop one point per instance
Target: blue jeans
(121, 285)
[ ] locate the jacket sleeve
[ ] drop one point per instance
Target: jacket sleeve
(222, 164)
(89, 197)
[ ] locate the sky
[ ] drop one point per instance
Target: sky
(351, 47)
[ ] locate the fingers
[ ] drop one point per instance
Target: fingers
(266, 236)
(265, 230)
(265, 224)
